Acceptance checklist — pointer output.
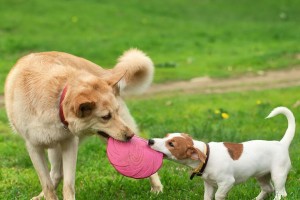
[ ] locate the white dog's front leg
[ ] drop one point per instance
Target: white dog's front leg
(223, 188)
(208, 191)
(156, 185)
(69, 155)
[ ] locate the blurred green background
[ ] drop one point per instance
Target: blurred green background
(185, 39)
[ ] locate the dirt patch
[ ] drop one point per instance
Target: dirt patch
(265, 80)
(206, 85)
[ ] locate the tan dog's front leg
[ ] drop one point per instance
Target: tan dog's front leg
(38, 159)
(55, 158)
(69, 155)
(56, 172)
(156, 185)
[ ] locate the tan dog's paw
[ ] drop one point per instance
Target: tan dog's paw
(157, 188)
(39, 197)
(36, 198)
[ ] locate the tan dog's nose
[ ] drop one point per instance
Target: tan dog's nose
(129, 134)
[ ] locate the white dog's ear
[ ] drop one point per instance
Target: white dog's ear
(83, 107)
(196, 154)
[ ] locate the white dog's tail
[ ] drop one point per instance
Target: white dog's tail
(138, 69)
(290, 132)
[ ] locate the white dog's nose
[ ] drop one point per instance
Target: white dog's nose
(150, 142)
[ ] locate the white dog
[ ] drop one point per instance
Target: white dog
(53, 99)
(223, 164)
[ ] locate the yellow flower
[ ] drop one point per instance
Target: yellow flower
(258, 102)
(217, 112)
(225, 115)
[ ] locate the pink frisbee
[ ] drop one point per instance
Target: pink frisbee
(134, 158)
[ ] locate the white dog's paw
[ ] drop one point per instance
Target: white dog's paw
(157, 189)
(280, 195)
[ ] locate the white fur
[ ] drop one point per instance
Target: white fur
(264, 160)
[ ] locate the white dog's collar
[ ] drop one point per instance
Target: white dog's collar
(200, 169)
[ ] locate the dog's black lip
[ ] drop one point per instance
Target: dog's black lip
(103, 134)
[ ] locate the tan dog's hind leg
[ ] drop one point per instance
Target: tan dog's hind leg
(38, 159)
(69, 154)
(156, 185)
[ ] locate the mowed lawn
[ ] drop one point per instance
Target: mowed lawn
(184, 38)
(197, 115)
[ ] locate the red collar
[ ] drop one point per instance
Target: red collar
(61, 112)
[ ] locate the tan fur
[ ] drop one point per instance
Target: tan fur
(32, 93)
(142, 76)
(179, 148)
(235, 150)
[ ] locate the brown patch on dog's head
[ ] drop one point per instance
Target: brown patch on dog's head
(196, 154)
(182, 147)
(235, 150)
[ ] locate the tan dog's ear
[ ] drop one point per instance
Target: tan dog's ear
(114, 79)
(83, 107)
(196, 154)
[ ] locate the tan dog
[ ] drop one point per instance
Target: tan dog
(53, 99)
(223, 164)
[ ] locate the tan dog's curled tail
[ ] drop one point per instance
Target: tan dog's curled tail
(290, 132)
(138, 69)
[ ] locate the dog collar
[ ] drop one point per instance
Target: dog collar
(200, 169)
(61, 112)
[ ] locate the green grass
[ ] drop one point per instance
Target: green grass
(193, 114)
(184, 38)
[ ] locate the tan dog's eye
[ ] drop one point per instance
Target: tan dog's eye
(171, 144)
(106, 117)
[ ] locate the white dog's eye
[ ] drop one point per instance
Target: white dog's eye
(106, 117)
(171, 144)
